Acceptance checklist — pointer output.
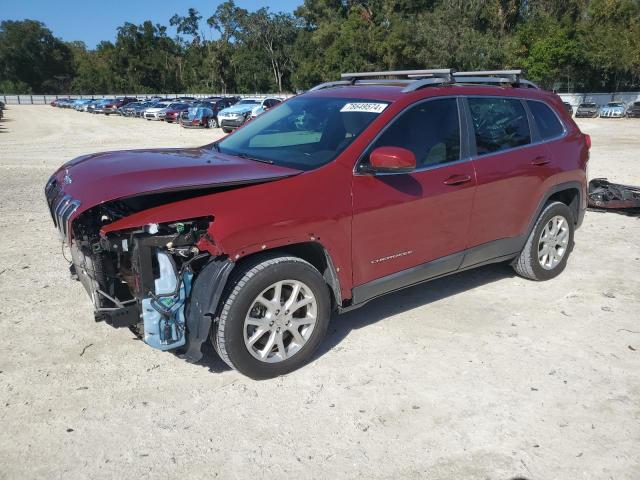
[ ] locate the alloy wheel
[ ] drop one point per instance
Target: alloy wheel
(280, 321)
(553, 243)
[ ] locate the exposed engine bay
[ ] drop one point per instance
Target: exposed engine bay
(141, 278)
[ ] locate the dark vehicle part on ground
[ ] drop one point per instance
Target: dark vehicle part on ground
(180, 243)
(613, 196)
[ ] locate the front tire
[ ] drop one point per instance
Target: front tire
(549, 245)
(273, 318)
(212, 123)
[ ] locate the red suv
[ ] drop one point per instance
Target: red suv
(354, 189)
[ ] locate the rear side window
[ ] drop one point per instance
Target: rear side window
(431, 130)
(499, 123)
(547, 122)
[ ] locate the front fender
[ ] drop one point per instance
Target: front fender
(206, 292)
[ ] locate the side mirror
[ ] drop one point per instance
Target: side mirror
(392, 160)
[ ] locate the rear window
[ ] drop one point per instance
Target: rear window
(499, 123)
(547, 122)
(587, 105)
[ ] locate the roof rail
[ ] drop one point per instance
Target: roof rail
(417, 79)
(400, 73)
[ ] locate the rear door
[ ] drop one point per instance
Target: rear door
(511, 165)
(402, 221)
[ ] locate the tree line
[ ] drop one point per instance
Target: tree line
(566, 45)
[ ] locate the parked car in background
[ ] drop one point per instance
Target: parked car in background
(216, 105)
(87, 107)
(172, 113)
(589, 110)
(153, 112)
(112, 107)
(81, 104)
(198, 116)
(266, 105)
(97, 106)
(568, 107)
(129, 109)
(613, 110)
(634, 110)
(236, 115)
(64, 102)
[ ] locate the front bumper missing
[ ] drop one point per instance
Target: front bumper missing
(159, 284)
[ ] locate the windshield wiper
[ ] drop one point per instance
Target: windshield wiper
(248, 157)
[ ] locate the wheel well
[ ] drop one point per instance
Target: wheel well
(316, 255)
(570, 197)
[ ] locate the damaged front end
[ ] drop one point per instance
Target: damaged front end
(143, 278)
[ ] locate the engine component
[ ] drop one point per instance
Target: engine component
(163, 311)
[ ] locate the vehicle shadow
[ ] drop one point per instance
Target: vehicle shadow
(409, 298)
(211, 360)
(386, 306)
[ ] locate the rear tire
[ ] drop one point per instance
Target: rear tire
(264, 334)
(549, 245)
(213, 122)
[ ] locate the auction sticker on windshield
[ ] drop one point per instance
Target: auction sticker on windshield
(364, 107)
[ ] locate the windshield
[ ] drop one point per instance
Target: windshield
(587, 105)
(614, 104)
(304, 132)
(248, 102)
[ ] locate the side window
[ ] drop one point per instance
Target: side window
(431, 130)
(499, 123)
(548, 124)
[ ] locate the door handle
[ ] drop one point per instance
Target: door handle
(457, 179)
(540, 160)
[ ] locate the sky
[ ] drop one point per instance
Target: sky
(93, 20)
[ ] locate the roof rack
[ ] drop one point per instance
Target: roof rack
(417, 79)
(438, 72)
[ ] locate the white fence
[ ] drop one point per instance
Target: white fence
(573, 98)
(46, 99)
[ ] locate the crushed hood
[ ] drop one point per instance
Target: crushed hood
(102, 177)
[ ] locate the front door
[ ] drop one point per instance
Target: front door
(401, 221)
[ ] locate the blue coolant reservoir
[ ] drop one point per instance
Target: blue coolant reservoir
(163, 315)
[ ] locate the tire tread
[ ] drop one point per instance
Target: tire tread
(241, 280)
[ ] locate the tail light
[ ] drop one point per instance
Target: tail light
(587, 139)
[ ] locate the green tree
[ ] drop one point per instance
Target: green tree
(32, 59)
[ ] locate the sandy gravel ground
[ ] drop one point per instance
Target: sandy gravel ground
(482, 375)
